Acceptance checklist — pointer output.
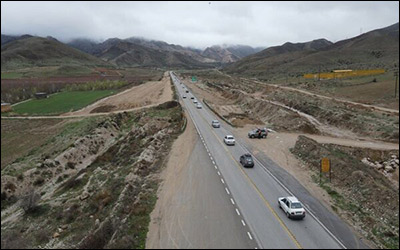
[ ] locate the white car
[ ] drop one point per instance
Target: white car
(199, 106)
(184, 97)
(195, 101)
(229, 140)
(292, 207)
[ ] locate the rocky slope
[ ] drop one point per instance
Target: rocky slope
(97, 192)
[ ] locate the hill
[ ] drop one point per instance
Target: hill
(375, 49)
(38, 51)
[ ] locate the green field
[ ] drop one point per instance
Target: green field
(61, 102)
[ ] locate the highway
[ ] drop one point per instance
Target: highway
(255, 191)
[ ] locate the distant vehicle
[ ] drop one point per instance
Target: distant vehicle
(215, 124)
(192, 97)
(258, 133)
(229, 140)
(184, 97)
(247, 161)
(195, 101)
(292, 207)
(199, 106)
(187, 91)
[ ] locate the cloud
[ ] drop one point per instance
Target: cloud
(199, 24)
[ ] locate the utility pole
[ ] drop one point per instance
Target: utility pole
(396, 74)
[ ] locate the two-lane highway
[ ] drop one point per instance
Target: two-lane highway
(254, 190)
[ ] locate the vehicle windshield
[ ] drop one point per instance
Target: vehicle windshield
(248, 158)
(296, 205)
(229, 137)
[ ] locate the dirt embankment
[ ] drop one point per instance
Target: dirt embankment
(361, 194)
(145, 95)
(172, 179)
(96, 193)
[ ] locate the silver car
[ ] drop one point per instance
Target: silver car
(215, 124)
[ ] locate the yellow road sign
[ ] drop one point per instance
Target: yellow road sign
(325, 165)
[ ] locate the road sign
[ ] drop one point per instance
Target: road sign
(325, 168)
(325, 165)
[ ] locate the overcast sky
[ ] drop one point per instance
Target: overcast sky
(199, 24)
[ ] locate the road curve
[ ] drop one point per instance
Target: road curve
(255, 191)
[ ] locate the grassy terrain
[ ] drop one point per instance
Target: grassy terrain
(61, 102)
(49, 71)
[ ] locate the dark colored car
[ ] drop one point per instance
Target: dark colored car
(247, 161)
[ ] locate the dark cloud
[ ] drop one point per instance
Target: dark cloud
(199, 24)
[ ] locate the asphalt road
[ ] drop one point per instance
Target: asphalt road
(255, 191)
(201, 215)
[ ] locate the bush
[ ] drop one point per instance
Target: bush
(29, 202)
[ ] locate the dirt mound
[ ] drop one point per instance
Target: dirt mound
(103, 109)
(147, 94)
(361, 194)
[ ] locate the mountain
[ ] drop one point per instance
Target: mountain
(128, 54)
(133, 52)
(85, 45)
(229, 53)
(38, 51)
(375, 49)
(220, 54)
(176, 54)
(7, 39)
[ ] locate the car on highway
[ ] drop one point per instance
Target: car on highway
(192, 97)
(292, 207)
(229, 140)
(258, 133)
(187, 91)
(247, 160)
(195, 101)
(184, 97)
(215, 124)
(199, 106)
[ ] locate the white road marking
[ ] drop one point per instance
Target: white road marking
(244, 224)
(223, 181)
(227, 191)
(237, 211)
(213, 162)
(219, 173)
(233, 202)
(215, 166)
(248, 233)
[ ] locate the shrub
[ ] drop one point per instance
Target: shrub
(29, 202)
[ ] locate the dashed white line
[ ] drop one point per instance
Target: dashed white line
(248, 233)
(219, 173)
(244, 224)
(222, 180)
(233, 202)
(227, 191)
(213, 162)
(237, 211)
(215, 166)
